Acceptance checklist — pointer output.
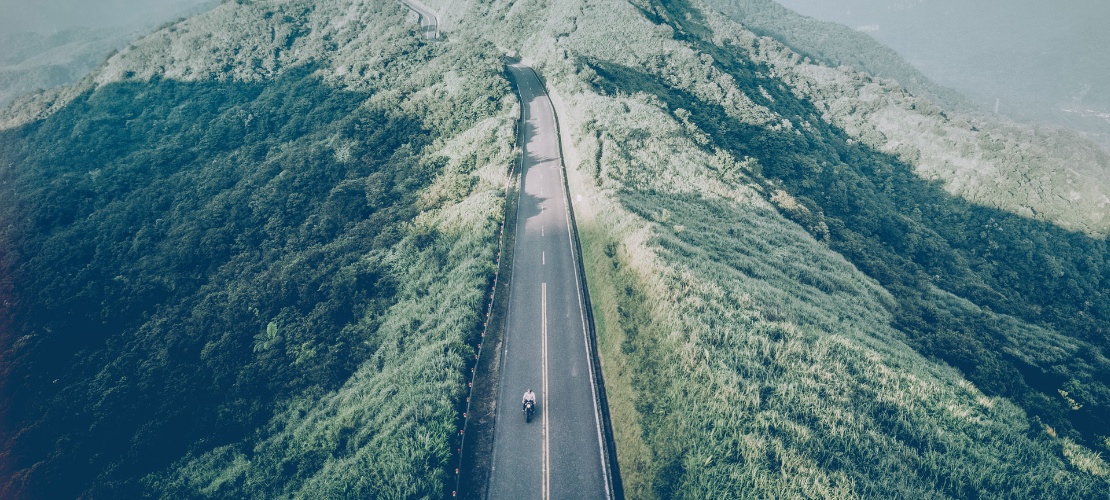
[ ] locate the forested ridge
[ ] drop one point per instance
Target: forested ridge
(249, 255)
(809, 281)
(922, 244)
(837, 45)
(264, 287)
(914, 238)
(1040, 172)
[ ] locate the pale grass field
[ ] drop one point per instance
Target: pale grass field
(742, 356)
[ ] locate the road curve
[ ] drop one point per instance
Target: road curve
(560, 453)
(429, 22)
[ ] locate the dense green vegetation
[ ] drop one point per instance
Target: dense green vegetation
(253, 288)
(913, 237)
(247, 258)
(787, 308)
(1030, 60)
(836, 45)
(1043, 173)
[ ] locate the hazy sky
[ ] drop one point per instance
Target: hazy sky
(988, 23)
(1036, 59)
(44, 15)
(983, 38)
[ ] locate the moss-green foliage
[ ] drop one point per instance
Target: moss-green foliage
(1046, 174)
(912, 236)
(258, 287)
(836, 45)
(789, 298)
(788, 392)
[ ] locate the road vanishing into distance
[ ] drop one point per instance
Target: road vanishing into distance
(559, 454)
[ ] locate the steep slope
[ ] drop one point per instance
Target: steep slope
(1041, 172)
(1045, 173)
(788, 303)
(248, 258)
(837, 45)
(30, 61)
(1029, 60)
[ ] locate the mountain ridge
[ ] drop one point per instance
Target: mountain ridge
(616, 159)
(212, 273)
(794, 294)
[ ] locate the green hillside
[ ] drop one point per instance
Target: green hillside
(837, 45)
(248, 257)
(258, 283)
(1045, 173)
(809, 282)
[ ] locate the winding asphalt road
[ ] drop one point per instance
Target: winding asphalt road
(559, 453)
(429, 23)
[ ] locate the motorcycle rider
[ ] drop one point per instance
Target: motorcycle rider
(528, 396)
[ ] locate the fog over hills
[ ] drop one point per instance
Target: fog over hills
(49, 16)
(1041, 61)
(55, 42)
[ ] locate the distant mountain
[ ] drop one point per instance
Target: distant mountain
(30, 61)
(249, 255)
(835, 45)
(1035, 61)
(1047, 173)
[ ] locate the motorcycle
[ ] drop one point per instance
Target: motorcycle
(529, 410)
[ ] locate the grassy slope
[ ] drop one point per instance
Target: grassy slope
(837, 45)
(743, 355)
(1045, 173)
(251, 254)
(925, 245)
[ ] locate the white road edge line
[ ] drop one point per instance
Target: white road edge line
(582, 312)
(546, 398)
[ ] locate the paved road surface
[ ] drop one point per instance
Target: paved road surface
(429, 23)
(558, 454)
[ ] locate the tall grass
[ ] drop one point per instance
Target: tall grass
(391, 430)
(743, 357)
(288, 211)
